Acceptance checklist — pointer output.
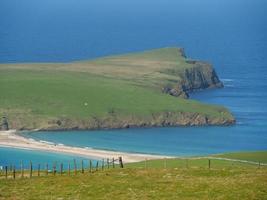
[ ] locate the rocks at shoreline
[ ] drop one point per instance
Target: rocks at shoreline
(165, 119)
(4, 124)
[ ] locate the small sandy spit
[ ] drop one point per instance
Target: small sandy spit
(13, 139)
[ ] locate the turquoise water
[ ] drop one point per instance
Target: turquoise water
(230, 34)
(15, 157)
(166, 141)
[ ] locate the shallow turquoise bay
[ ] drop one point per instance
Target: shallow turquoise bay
(17, 157)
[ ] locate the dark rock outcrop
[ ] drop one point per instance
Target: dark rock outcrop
(177, 91)
(4, 124)
(154, 120)
(200, 76)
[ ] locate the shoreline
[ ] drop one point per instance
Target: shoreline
(11, 139)
(125, 127)
(160, 120)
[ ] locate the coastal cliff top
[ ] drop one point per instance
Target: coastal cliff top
(135, 89)
(149, 68)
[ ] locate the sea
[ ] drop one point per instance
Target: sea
(232, 35)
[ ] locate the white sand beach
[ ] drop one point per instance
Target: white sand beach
(12, 139)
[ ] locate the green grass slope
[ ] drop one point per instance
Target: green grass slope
(158, 179)
(111, 89)
(143, 184)
(236, 159)
(257, 156)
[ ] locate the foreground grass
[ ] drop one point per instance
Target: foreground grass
(175, 183)
(157, 179)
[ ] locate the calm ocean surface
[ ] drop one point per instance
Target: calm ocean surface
(230, 34)
(16, 157)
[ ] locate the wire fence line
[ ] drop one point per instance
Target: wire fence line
(74, 168)
(223, 159)
(206, 161)
(71, 168)
(238, 160)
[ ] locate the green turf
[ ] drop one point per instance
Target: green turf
(258, 156)
(157, 179)
(203, 162)
(66, 94)
(186, 163)
(150, 183)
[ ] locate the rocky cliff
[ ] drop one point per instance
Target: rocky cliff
(164, 119)
(4, 124)
(201, 75)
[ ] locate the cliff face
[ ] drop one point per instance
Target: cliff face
(200, 76)
(4, 124)
(163, 119)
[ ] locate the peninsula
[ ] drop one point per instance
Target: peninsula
(144, 89)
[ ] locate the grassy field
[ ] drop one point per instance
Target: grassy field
(129, 85)
(155, 181)
(258, 156)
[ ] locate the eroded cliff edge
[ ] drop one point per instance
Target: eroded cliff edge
(201, 75)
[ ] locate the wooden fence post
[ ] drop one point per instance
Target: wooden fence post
(14, 172)
(61, 168)
(108, 162)
(96, 166)
(54, 169)
(120, 161)
(113, 163)
(30, 169)
(90, 163)
(39, 166)
(6, 171)
(103, 163)
(47, 169)
(21, 169)
(209, 163)
(75, 167)
(69, 169)
(82, 167)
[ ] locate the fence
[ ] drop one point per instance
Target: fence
(12, 172)
(72, 168)
(196, 162)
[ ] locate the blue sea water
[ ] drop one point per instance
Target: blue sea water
(230, 34)
(18, 157)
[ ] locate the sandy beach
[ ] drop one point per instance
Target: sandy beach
(12, 139)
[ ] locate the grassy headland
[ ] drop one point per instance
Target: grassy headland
(112, 92)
